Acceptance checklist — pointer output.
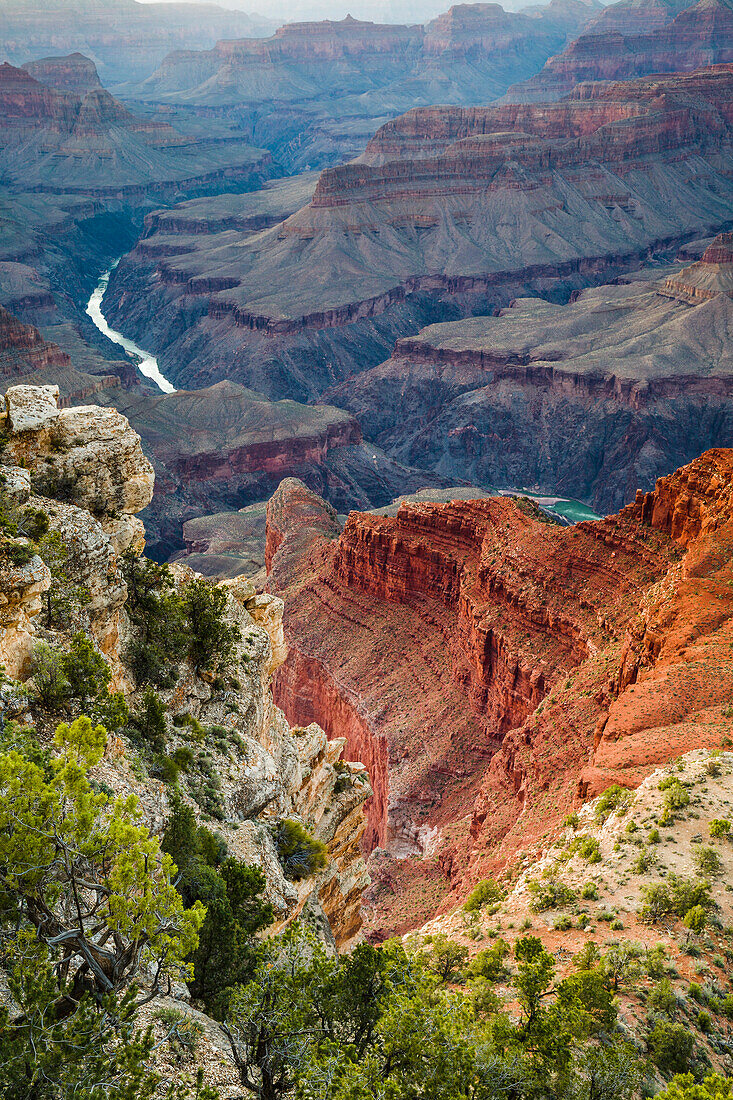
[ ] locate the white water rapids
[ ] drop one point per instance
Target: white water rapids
(146, 363)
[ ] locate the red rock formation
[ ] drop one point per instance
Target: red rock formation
(27, 358)
(710, 276)
(700, 35)
(720, 251)
(22, 348)
(496, 662)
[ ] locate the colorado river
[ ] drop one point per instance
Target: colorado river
(146, 363)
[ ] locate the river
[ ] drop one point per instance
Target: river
(146, 363)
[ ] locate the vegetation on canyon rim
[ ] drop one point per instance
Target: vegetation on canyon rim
(98, 917)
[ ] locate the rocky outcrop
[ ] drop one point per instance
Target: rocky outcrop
(495, 660)
(90, 477)
(634, 43)
(261, 769)
(710, 276)
(379, 250)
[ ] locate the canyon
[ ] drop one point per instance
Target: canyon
(126, 40)
(618, 46)
(494, 670)
(313, 93)
(449, 211)
(638, 374)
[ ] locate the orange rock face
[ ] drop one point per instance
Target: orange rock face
(492, 669)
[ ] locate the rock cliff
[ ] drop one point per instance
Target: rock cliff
(493, 670)
(83, 469)
(44, 133)
(641, 41)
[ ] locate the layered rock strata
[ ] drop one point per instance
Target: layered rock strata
(622, 48)
(315, 92)
(450, 211)
(638, 375)
(496, 669)
(45, 134)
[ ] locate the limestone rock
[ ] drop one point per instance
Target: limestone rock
(21, 589)
(31, 407)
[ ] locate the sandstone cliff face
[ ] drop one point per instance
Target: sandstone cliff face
(84, 468)
(500, 663)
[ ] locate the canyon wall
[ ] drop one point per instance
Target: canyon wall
(504, 667)
(445, 215)
(638, 375)
(622, 48)
(313, 93)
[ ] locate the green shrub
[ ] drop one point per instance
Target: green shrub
(150, 721)
(704, 1021)
(726, 1006)
(300, 854)
(183, 757)
(235, 910)
(165, 768)
(695, 919)
(614, 798)
(485, 892)
(211, 640)
(589, 892)
(674, 898)
(562, 923)
(696, 991)
(671, 1047)
(643, 862)
(719, 827)
(661, 998)
(654, 837)
(707, 862)
(445, 957)
(686, 1087)
(156, 612)
(547, 894)
(676, 797)
(587, 847)
(489, 964)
